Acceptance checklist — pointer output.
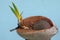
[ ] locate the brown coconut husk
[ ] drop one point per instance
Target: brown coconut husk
(30, 21)
(34, 19)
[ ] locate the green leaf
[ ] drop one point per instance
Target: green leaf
(15, 8)
(16, 12)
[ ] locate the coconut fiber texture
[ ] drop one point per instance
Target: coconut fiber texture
(37, 22)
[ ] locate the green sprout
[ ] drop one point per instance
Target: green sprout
(18, 15)
(16, 12)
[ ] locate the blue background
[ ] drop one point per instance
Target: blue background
(8, 21)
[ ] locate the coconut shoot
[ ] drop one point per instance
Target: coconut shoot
(18, 15)
(16, 12)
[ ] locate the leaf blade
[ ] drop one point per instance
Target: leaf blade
(14, 12)
(19, 14)
(15, 7)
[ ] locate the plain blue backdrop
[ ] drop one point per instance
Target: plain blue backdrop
(8, 21)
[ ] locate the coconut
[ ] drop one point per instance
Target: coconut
(40, 28)
(34, 27)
